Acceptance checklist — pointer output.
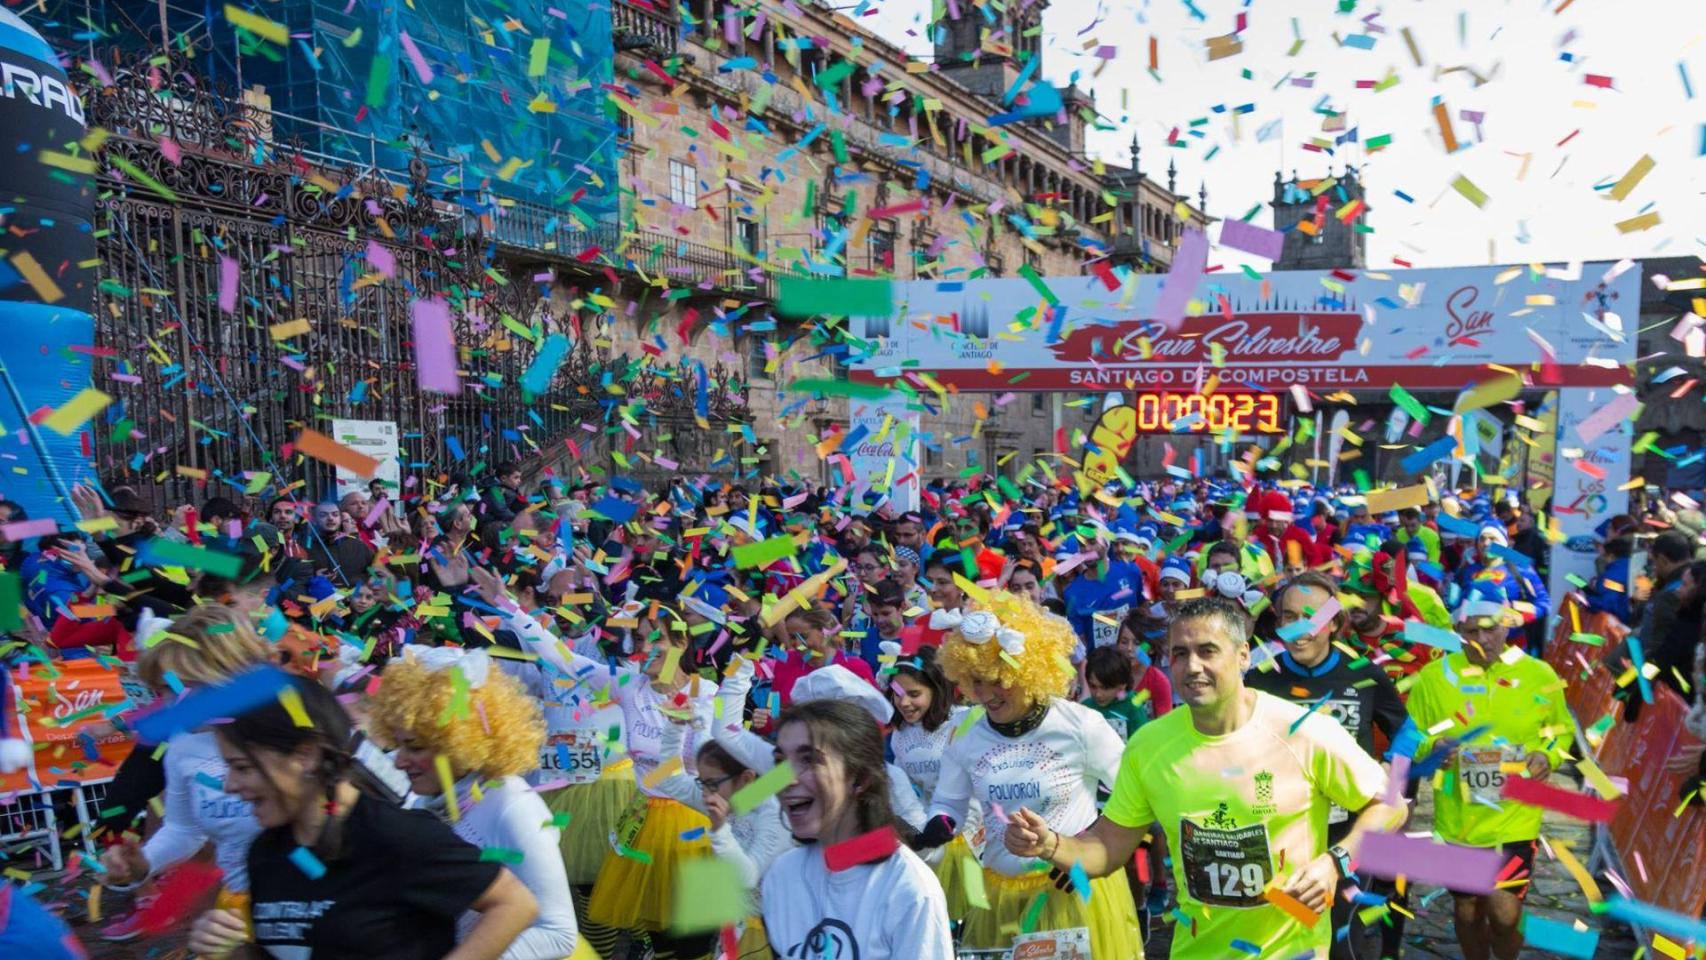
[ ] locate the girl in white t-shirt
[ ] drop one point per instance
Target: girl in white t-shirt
(1031, 749)
(885, 904)
(925, 720)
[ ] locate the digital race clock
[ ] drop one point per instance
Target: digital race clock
(1214, 414)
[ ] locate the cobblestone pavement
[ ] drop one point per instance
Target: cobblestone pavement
(1428, 937)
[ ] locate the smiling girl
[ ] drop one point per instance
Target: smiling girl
(925, 718)
(882, 908)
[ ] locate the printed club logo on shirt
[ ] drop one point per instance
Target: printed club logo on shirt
(1264, 793)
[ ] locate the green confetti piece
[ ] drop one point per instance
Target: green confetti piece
(804, 297)
(764, 552)
(536, 56)
(11, 602)
(174, 554)
(1037, 284)
(747, 798)
(501, 855)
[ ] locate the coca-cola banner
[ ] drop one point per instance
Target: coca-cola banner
(1323, 330)
(882, 454)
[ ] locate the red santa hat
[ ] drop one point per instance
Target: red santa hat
(1276, 506)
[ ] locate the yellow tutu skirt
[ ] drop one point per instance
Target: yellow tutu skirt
(632, 894)
(951, 873)
(1111, 914)
(753, 943)
(593, 810)
(584, 951)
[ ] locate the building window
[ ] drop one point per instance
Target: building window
(1034, 260)
(683, 184)
(932, 457)
(995, 265)
(1039, 403)
(879, 243)
(756, 359)
(624, 126)
(746, 234)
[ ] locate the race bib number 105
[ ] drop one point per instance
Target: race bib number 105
(1226, 866)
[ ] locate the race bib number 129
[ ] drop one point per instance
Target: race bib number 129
(1226, 866)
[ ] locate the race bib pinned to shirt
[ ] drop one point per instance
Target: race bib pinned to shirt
(577, 758)
(1225, 864)
(1482, 771)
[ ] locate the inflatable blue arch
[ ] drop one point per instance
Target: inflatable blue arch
(47, 272)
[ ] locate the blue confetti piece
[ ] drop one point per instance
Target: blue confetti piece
(1415, 631)
(537, 379)
(309, 864)
(1247, 947)
(1637, 914)
(1080, 882)
(694, 833)
(1563, 938)
(235, 697)
(1422, 459)
(618, 510)
(208, 780)
(455, 447)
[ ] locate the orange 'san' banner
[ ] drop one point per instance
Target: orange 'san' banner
(68, 720)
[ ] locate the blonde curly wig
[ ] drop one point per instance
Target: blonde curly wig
(498, 735)
(1043, 670)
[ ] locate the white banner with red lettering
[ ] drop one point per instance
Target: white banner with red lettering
(1322, 330)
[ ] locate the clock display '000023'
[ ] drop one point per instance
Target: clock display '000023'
(1215, 413)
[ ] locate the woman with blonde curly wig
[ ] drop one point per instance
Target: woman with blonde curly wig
(1031, 748)
(464, 733)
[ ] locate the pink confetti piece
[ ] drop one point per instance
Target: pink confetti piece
(1249, 238)
(1188, 265)
(25, 529)
(435, 347)
(422, 68)
(227, 285)
(382, 259)
(171, 151)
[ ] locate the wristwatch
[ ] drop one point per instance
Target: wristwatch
(1342, 858)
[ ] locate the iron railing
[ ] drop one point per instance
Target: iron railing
(316, 320)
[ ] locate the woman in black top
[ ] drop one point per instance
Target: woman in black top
(338, 872)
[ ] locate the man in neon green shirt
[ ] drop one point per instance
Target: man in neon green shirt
(1242, 782)
(1521, 702)
(1410, 527)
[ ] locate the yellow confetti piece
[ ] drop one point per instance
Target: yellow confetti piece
(65, 161)
(292, 328)
(258, 25)
(25, 263)
(448, 782)
(1623, 187)
(292, 703)
(1585, 880)
(77, 411)
(1470, 191)
(1645, 221)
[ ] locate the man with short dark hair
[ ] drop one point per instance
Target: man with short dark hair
(1233, 836)
(1411, 527)
(333, 551)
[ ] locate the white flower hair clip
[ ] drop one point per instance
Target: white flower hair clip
(476, 665)
(979, 627)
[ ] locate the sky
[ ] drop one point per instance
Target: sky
(1551, 128)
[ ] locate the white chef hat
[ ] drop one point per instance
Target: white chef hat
(836, 682)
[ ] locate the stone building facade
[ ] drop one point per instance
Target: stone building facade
(762, 138)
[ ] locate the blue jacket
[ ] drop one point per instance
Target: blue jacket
(1603, 598)
(1119, 590)
(49, 585)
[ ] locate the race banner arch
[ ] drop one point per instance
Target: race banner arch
(1485, 333)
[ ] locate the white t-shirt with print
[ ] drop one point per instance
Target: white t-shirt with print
(1051, 771)
(874, 911)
